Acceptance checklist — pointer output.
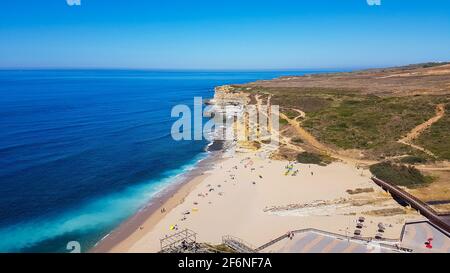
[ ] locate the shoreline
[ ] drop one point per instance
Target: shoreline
(151, 213)
(236, 199)
(235, 194)
(126, 234)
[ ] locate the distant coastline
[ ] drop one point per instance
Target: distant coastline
(100, 140)
(255, 192)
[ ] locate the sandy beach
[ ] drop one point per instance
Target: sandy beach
(245, 192)
(254, 199)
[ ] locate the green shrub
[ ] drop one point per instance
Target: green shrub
(437, 137)
(413, 160)
(312, 158)
(399, 175)
(283, 121)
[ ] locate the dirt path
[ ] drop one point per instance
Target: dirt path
(445, 166)
(300, 112)
(418, 130)
(282, 139)
(313, 142)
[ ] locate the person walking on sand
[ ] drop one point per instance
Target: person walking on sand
(290, 235)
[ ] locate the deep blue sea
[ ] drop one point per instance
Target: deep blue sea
(82, 150)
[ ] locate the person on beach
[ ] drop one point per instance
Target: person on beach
(290, 235)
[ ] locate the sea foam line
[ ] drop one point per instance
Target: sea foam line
(99, 214)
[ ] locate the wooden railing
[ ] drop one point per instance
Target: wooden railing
(382, 242)
(416, 203)
(238, 244)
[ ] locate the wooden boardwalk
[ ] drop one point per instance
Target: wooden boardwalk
(440, 220)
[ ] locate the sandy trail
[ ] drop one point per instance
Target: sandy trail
(284, 140)
(300, 112)
(445, 167)
(418, 130)
(256, 199)
(312, 141)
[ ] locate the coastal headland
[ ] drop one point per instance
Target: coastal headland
(336, 131)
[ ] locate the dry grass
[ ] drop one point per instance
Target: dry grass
(386, 212)
(359, 191)
(438, 190)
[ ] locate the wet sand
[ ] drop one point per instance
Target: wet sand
(253, 199)
(153, 212)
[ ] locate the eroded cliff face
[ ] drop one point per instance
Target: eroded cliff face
(232, 104)
(226, 98)
(229, 105)
(227, 95)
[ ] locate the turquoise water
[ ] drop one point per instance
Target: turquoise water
(82, 150)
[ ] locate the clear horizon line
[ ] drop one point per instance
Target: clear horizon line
(355, 67)
(191, 69)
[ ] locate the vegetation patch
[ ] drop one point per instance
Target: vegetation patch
(312, 158)
(305, 99)
(437, 137)
(411, 159)
(386, 212)
(375, 124)
(359, 191)
(290, 113)
(350, 118)
(283, 122)
(400, 175)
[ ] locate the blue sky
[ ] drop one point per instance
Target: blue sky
(245, 34)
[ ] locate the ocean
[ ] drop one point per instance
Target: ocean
(83, 150)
